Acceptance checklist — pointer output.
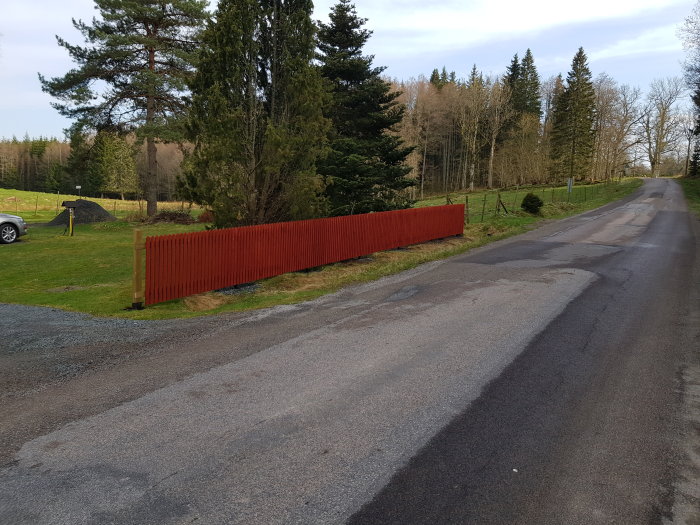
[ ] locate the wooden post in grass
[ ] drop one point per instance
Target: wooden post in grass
(505, 210)
(138, 287)
(483, 208)
(466, 209)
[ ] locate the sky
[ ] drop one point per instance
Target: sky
(633, 41)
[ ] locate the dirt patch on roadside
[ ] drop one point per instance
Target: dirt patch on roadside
(204, 302)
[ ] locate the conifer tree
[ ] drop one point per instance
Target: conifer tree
(112, 162)
(523, 81)
(694, 165)
(526, 91)
(573, 122)
(256, 115)
(144, 52)
(435, 78)
(365, 168)
(444, 76)
(512, 73)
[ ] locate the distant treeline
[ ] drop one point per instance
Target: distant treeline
(95, 164)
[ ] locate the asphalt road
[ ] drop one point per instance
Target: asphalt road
(550, 378)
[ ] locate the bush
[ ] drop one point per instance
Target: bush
(175, 217)
(206, 216)
(532, 203)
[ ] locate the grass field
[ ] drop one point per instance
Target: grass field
(91, 272)
(691, 188)
(36, 207)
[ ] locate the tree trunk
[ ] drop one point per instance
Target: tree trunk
(493, 151)
(150, 185)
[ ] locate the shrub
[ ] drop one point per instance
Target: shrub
(206, 216)
(532, 203)
(175, 217)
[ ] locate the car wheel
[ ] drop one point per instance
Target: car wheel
(8, 234)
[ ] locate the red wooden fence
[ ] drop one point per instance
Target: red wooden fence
(190, 263)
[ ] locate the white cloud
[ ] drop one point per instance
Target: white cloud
(406, 25)
(405, 32)
(656, 40)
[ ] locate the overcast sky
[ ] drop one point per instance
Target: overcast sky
(634, 41)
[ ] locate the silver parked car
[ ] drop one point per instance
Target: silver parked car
(11, 227)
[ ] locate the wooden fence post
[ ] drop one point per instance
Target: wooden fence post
(466, 208)
(138, 281)
(483, 208)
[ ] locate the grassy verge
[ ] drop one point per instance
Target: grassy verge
(691, 188)
(91, 272)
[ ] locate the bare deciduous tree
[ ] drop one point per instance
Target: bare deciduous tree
(498, 112)
(659, 129)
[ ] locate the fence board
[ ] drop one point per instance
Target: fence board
(189, 263)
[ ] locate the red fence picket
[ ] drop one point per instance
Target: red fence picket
(189, 263)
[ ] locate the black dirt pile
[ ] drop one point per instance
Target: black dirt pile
(177, 217)
(86, 212)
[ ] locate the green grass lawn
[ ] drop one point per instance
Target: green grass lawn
(691, 188)
(91, 272)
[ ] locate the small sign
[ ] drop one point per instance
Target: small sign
(78, 187)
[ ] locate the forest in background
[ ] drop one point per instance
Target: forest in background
(46, 164)
(441, 116)
(446, 133)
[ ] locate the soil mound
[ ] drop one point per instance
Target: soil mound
(86, 212)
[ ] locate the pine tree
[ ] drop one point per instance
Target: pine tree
(78, 161)
(365, 168)
(573, 123)
(512, 73)
(435, 78)
(476, 77)
(256, 115)
(112, 162)
(144, 52)
(523, 81)
(694, 165)
(526, 91)
(444, 76)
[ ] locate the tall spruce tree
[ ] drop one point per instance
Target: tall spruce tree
(573, 123)
(523, 81)
(256, 115)
(365, 168)
(526, 90)
(144, 52)
(435, 78)
(512, 73)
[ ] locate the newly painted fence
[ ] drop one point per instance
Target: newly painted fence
(190, 263)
